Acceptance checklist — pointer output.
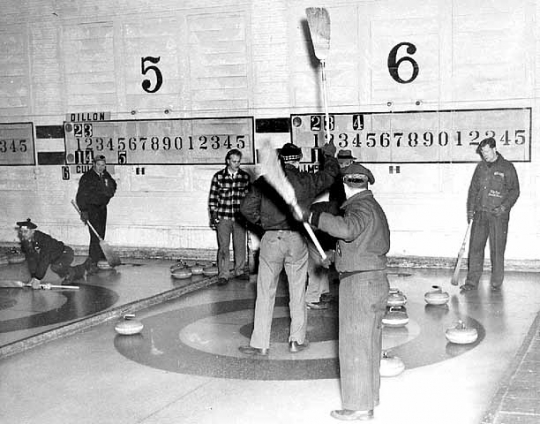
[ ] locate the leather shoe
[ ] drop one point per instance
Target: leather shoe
(244, 276)
(222, 281)
(327, 298)
(295, 347)
(467, 287)
(496, 288)
(249, 350)
(316, 305)
(350, 415)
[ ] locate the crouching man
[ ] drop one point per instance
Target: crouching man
(42, 251)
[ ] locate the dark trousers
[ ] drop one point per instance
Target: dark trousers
(487, 225)
(61, 265)
(225, 229)
(362, 304)
(97, 215)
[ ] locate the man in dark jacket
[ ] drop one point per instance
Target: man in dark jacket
(96, 188)
(42, 251)
(283, 245)
(493, 191)
(360, 259)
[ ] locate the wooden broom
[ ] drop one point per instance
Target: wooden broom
(108, 251)
(455, 276)
(319, 29)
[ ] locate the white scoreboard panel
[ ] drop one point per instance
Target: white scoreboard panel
(17, 144)
(148, 142)
(441, 136)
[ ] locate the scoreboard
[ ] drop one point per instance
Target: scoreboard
(442, 136)
(148, 142)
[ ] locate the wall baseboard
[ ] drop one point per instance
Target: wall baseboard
(209, 255)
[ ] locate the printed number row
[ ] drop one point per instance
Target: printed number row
(425, 139)
(13, 146)
(201, 142)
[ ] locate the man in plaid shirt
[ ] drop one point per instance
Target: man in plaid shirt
(229, 186)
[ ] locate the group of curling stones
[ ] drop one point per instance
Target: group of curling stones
(396, 316)
(181, 270)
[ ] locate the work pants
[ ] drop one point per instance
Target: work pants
(97, 216)
(225, 228)
(278, 250)
(362, 304)
(317, 275)
(487, 225)
(61, 265)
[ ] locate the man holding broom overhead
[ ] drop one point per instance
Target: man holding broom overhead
(96, 188)
(283, 245)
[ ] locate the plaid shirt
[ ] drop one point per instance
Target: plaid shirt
(227, 192)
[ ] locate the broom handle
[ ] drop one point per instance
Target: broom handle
(325, 102)
(87, 221)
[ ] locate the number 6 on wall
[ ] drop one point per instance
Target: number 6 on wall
(144, 69)
(393, 64)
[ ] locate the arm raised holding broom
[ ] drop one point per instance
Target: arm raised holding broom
(282, 194)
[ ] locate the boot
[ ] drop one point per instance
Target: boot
(68, 279)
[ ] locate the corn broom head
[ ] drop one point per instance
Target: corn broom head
(319, 28)
(273, 173)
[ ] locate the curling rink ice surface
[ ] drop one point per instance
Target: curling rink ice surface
(185, 366)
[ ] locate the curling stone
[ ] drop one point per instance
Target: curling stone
(177, 265)
(396, 298)
(396, 316)
(128, 326)
(181, 273)
(103, 264)
(436, 296)
(4, 260)
(210, 271)
(391, 365)
(461, 334)
(196, 269)
(16, 258)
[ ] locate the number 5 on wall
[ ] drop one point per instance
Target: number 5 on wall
(144, 69)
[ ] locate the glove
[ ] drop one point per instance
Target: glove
(470, 216)
(329, 149)
(35, 283)
(330, 256)
(213, 219)
(300, 214)
(314, 217)
(499, 210)
(84, 216)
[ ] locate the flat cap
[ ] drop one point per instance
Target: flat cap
(28, 223)
(356, 169)
(290, 152)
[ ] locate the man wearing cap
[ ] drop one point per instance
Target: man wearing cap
(318, 287)
(42, 251)
(493, 191)
(360, 259)
(283, 245)
(96, 188)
